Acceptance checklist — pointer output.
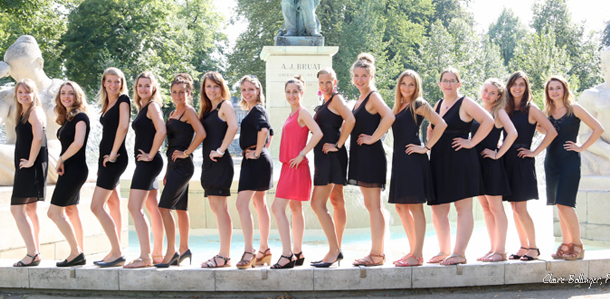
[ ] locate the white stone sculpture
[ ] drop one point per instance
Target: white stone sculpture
(596, 159)
(23, 59)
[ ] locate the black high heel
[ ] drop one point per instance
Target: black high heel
(183, 257)
(79, 260)
(288, 265)
(173, 261)
(300, 259)
(326, 265)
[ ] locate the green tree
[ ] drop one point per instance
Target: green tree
(506, 32)
(606, 35)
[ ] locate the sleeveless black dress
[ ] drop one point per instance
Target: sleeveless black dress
(145, 175)
(108, 177)
(368, 164)
(495, 180)
(330, 168)
(562, 167)
(29, 184)
(255, 174)
(67, 189)
(216, 177)
(411, 180)
(456, 174)
(175, 194)
(521, 172)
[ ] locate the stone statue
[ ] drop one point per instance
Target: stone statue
(596, 159)
(300, 18)
(23, 59)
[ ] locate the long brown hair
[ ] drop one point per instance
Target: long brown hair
(501, 101)
(155, 95)
(103, 94)
(260, 99)
(568, 98)
(29, 86)
(206, 103)
(527, 95)
(79, 103)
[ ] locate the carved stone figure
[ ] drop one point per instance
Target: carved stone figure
(596, 159)
(23, 59)
(300, 18)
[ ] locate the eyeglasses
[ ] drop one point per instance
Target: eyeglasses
(449, 81)
(253, 76)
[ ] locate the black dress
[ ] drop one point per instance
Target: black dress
(456, 174)
(368, 164)
(175, 194)
(67, 189)
(216, 177)
(330, 168)
(562, 167)
(255, 174)
(29, 184)
(145, 175)
(521, 172)
(411, 181)
(495, 180)
(108, 177)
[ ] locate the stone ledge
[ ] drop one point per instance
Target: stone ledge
(193, 278)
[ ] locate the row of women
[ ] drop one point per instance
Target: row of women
(467, 159)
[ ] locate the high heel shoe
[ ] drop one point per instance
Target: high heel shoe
(33, 263)
(288, 265)
(79, 260)
(244, 263)
(326, 265)
(300, 259)
(183, 257)
(572, 254)
(171, 262)
(266, 259)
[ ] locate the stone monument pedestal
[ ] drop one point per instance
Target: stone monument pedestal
(314, 41)
(283, 63)
(592, 208)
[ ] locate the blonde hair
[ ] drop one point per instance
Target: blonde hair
(327, 70)
(206, 103)
(568, 98)
(184, 78)
(79, 105)
(103, 94)
(260, 99)
(30, 87)
(155, 95)
(527, 94)
(398, 99)
(499, 103)
(367, 62)
(298, 80)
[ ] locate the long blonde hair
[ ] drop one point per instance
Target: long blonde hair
(499, 103)
(29, 86)
(155, 95)
(79, 103)
(568, 98)
(225, 93)
(103, 94)
(260, 99)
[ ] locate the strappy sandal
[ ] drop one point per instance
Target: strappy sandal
(516, 256)
(481, 259)
(288, 265)
(244, 263)
(402, 259)
(33, 263)
(531, 258)
(368, 260)
(490, 258)
(265, 259)
(143, 263)
(211, 263)
(572, 254)
(560, 252)
(441, 255)
(446, 262)
(405, 262)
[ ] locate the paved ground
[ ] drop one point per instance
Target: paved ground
(542, 291)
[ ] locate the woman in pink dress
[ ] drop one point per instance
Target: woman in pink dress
(294, 185)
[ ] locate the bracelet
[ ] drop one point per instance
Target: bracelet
(185, 154)
(60, 160)
(222, 153)
(111, 161)
(337, 145)
(301, 154)
(426, 146)
(255, 156)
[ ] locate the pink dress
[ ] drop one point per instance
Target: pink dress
(294, 183)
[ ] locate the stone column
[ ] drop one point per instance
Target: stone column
(282, 63)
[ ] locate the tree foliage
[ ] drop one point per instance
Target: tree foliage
(606, 35)
(506, 32)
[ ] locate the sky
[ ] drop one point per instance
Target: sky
(593, 12)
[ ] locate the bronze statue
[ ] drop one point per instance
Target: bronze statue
(300, 18)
